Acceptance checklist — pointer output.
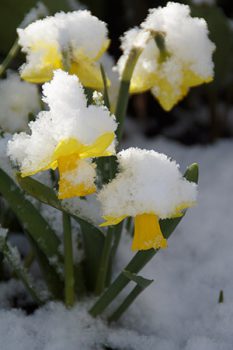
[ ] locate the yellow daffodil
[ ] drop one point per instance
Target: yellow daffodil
(176, 57)
(66, 137)
(64, 41)
(149, 187)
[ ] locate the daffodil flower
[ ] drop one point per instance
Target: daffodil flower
(148, 187)
(64, 41)
(66, 137)
(184, 60)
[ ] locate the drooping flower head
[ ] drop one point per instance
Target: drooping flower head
(177, 56)
(148, 187)
(71, 41)
(18, 100)
(67, 136)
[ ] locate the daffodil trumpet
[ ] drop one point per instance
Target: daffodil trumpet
(147, 232)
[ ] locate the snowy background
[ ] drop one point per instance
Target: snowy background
(180, 310)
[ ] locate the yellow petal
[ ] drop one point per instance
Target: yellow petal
(87, 69)
(67, 147)
(67, 187)
(99, 147)
(104, 48)
(179, 210)
(51, 165)
(142, 83)
(111, 220)
(88, 72)
(68, 190)
(50, 60)
(147, 233)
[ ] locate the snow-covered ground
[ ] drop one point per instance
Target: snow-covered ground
(180, 310)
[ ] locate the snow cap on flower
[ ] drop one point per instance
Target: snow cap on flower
(18, 99)
(188, 54)
(65, 137)
(64, 41)
(149, 186)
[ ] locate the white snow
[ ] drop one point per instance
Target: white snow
(180, 310)
(17, 99)
(147, 182)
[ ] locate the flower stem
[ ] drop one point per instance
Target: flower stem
(9, 58)
(68, 261)
(104, 263)
(123, 95)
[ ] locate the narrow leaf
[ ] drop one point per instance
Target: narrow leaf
(139, 280)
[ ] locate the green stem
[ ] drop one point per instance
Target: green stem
(104, 263)
(123, 95)
(125, 304)
(68, 261)
(106, 97)
(9, 58)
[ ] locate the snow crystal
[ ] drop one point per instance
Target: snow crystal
(17, 99)
(147, 182)
(68, 117)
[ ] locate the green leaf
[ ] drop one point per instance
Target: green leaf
(39, 191)
(30, 218)
(139, 280)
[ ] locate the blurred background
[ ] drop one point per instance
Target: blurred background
(206, 114)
